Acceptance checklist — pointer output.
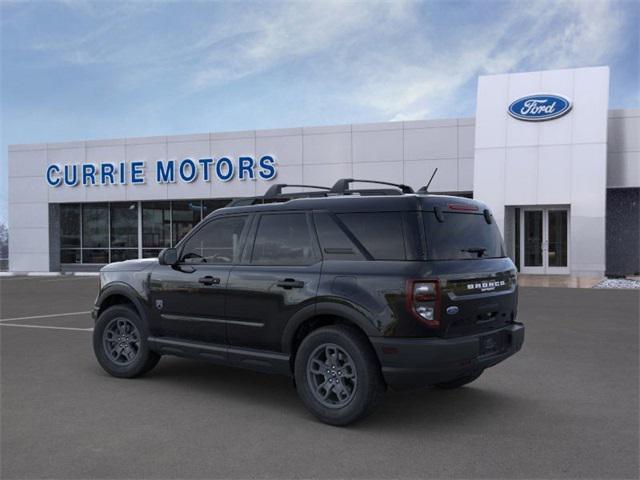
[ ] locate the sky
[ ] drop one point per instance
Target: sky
(77, 70)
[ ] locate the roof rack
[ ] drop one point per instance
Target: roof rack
(276, 190)
(342, 185)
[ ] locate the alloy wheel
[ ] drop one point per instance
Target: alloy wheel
(331, 375)
(121, 340)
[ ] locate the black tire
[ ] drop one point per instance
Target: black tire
(135, 358)
(459, 382)
(362, 384)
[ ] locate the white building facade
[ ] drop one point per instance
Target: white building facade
(558, 168)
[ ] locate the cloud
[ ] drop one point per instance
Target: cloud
(293, 31)
(524, 36)
(401, 60)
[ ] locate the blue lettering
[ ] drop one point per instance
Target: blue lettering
(69, 180)
(106, 172)
(267, 168)
(165, 174)
(192, 169)
(245, 166)
(224, 177)
(51, 169)
(206, 170)
(137, 172)
(123, 173)
(88, 174)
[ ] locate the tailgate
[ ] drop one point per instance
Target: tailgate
(473, 303)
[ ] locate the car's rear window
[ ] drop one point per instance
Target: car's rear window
(380, 233)
(461, 236)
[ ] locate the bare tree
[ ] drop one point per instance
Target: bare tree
(4, 241)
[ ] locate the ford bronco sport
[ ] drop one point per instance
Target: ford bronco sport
(347, 291)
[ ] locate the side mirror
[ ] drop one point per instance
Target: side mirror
(168, 256)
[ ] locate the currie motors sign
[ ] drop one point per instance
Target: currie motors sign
(540, 107)
(187, 170)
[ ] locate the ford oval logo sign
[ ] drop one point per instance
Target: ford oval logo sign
(536, 108)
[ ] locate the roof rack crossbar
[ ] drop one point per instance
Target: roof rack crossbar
(276, 190)
(342, 185)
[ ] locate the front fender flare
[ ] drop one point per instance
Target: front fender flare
(125, 290)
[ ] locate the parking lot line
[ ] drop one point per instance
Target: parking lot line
(35, 317)
(46, 326)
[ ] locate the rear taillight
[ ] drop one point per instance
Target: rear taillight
(423, 300)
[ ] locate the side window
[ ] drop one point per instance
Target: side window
(217, 242)
(283, 239)
(381, 233)
(335, 244)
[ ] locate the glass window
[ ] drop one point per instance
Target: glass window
(381, 233)
(462, 236)
(95, 256)
(95, 225)
(70, 255)
(533, 237)
(283, 239)
(122, 254)
(186, 215)
(558, 243)
(69, 226)
(209, 206)
(335, 243)
(124, 225)
(216, 242)
(156, 225)
(517, 240)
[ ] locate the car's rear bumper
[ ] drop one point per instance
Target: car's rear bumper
(412, 363)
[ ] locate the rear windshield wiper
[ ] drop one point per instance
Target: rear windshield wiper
(479, 250)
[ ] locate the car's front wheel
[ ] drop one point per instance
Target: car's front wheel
(337, 375)
(120, 343)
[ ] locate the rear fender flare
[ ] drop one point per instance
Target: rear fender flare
(347, 313)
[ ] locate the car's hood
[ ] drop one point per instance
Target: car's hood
(130, 265)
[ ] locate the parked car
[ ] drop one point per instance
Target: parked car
(347, 291)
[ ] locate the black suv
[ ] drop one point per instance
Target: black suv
(347, 291)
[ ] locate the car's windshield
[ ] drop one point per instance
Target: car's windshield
(461, 236)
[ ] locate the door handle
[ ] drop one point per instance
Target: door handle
(289, 283)
(209, 280)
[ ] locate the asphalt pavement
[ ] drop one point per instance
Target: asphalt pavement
(566, 406)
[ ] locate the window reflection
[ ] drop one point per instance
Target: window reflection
(95, 225)
(156, 226)
(124, 225)
(108, 232)
(185, 215)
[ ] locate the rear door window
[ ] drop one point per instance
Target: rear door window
(283, 239)
(462, 236)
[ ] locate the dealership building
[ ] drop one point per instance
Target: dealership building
(558, 168)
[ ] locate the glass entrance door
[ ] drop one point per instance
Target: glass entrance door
(544, 245)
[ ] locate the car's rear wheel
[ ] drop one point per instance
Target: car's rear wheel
(120, 343)
(459, 382)
(337, 375)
